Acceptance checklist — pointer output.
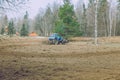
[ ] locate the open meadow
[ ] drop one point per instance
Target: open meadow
(33, 59)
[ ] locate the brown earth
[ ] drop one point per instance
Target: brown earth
(34, 59)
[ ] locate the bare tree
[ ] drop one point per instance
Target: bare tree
(46, 19)
(11, 5)
(96, 12)
(90, 15)
(110, 18)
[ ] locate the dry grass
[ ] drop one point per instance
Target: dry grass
(31, 59)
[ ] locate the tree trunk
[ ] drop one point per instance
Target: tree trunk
(96, 11)
(110, 19)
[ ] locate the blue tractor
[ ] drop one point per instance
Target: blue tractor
(56, 39)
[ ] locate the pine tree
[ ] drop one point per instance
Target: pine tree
(2, 31)
(11, 29)
(24, 31)
(67, 24)
(26, 21)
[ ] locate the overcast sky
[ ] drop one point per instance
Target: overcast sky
(35, 5)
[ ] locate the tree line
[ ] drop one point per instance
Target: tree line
(70, 20)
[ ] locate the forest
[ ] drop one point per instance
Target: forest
(66, 19)
(25, 51)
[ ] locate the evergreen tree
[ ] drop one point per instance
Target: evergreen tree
(11, 29)
(67, 24)
(26, 21)
(25, 25)
(24, 31)
(2, 31)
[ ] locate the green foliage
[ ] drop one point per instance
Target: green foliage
(26, 15)
(24, 31)
(11, 29)
(60, 28)
(67, 24)
(2, 31)
(26, 21)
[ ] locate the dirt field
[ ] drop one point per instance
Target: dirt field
(33, 59)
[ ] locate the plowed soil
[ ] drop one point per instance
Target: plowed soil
(80, 59)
